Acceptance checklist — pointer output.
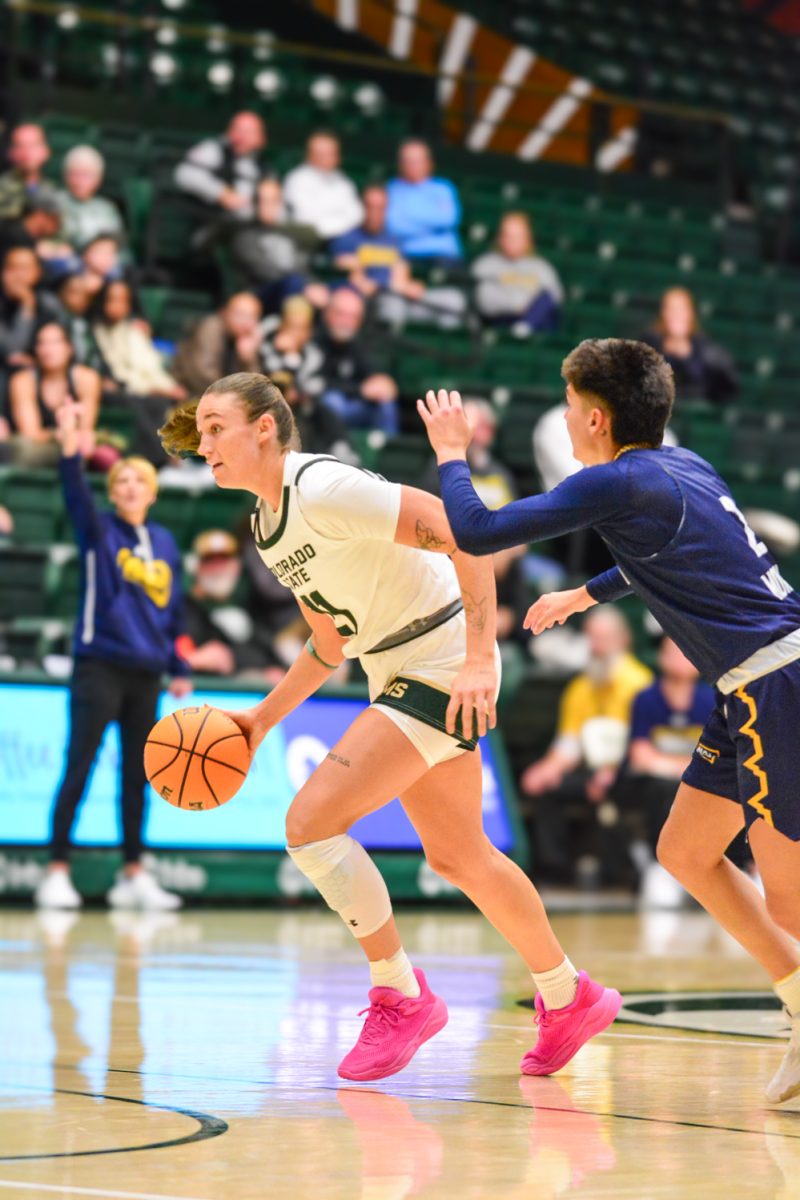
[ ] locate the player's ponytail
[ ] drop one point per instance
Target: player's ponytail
(179, 435)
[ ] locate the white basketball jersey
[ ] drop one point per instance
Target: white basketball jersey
(331, 542)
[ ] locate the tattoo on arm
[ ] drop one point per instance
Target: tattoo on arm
(426, 538)
(345, 762)
(475, 609)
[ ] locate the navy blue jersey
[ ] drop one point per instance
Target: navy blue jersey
(671, 730)
(131, 603)
(677, 536)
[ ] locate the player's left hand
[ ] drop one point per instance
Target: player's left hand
(179, 687)
(473, 695)
(449, 431)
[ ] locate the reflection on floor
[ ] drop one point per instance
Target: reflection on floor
(193, 1057)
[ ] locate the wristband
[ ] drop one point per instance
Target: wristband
(313, 653)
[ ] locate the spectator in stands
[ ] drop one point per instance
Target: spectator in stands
(376, 266)
(288, 345)
(319, 194)
(221, 637)
(667, 720)
(101, 262)
(592, 735)
(6, 525)
(124, 643)
(363, 397)
(495, 485)
(273, 254)
(76, 302)
(128, 351)
(24, 306)
(36, 228)
(37, 393)
(221, 174)
(320, 430)
(424, 211)
(702, 369)
(27, 154)
(514, 285)
(221, 344)
(85, 214)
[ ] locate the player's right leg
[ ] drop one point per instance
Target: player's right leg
(368, 767)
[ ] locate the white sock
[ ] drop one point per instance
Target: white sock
(788, 990)
(395, 972)
(558, 987)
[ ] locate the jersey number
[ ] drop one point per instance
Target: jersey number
(347, 625)
(772, 579)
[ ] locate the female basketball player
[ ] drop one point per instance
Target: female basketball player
(376, 573)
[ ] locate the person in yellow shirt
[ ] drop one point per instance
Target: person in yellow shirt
(590, 742)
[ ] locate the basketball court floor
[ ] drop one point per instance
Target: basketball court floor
(193, 1057)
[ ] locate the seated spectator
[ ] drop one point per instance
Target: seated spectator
(128, 352)
(667, 720)
(84, 214)
(37, 228)
(495, 485)
(76, 301)
(702, 369)
(27, 154)
(375, 264)
(101, 262)
(593, 725)
(288, 345)
(320, 430)
(221, 174)
(221, 637)
(37, 393)
(24, 306)
(221, 344)
(363, 397)
(6, 525)
(318, 194)
(273, 254)
(514, 285)
(424, 212)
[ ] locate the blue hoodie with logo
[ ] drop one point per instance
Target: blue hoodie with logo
(131, 607)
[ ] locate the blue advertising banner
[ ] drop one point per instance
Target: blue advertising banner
(33, 732)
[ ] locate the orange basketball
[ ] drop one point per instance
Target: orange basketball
(196, 758)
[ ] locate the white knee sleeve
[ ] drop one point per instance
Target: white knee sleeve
(348, 881)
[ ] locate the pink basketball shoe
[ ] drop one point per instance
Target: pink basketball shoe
(562, 1031)
(395, 1028)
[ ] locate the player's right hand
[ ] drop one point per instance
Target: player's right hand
(555, 607)
(251, 725)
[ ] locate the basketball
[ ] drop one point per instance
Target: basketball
(196, 758)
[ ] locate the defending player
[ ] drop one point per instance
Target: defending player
(682, 544)
(352, 549)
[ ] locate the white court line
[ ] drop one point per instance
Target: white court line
(733, 1040)
(63, 1189)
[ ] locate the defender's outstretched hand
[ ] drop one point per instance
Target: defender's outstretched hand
(555, 607)
(448, 428)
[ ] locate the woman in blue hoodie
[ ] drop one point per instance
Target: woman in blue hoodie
(130, 615)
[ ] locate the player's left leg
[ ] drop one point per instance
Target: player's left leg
(571, 1008)
(778, 860)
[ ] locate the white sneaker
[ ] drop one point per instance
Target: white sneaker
(659, 889)
(141, 890)
(786, 1082)
(56, 891)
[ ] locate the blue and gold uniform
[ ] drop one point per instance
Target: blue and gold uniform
(681, 543)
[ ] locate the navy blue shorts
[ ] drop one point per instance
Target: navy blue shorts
(747, 750)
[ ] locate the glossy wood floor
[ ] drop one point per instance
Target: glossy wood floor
(194, 1058)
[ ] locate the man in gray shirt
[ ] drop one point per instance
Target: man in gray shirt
(222, 173)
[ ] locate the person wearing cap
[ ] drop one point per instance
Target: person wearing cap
(130, 617)
(221, 636)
